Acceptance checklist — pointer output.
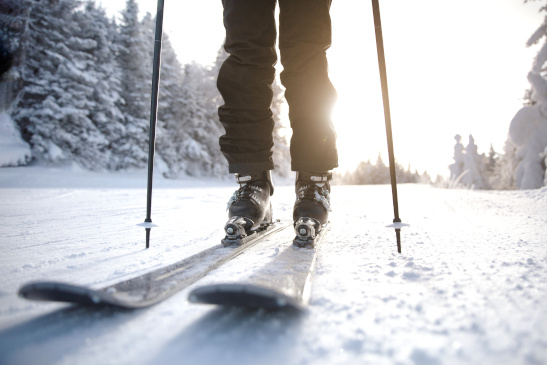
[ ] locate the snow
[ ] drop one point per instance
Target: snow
(470, 286)
(13, 150)
(528, 131)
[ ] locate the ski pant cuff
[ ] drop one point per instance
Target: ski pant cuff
(314, 166)
(244, 167)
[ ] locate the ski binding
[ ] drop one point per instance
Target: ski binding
(307, 230)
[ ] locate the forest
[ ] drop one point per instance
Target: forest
(79, 91)
(75, 89)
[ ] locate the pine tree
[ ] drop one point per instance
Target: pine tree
(362, 173)
(456, 169)
(169, 105)
(105, 112)
(543, 155)
(380, 172)
(220, 166)
(134, 43)
(528, 129)
(367, 174)
(86, 94)
(171, 111)
(473, 166)
(54, 108)
(14, 16)
(406, 176)
(200, 143)
(492, 160)
(506, 167)
(490, 163)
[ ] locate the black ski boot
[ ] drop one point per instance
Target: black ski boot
(249, 209)
(312, 206)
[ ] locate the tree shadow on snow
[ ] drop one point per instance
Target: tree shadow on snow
(50, 337)
(237, 336)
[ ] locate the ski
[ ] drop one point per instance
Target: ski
(150, 288)
(283, 283)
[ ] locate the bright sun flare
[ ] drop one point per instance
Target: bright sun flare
(432, 96)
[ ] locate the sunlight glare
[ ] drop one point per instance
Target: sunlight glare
(353, 68)
(443, 78)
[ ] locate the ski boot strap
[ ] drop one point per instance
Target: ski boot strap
(314, 177)
(245, 178)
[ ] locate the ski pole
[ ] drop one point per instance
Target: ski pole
(153, 119)
(387, 115)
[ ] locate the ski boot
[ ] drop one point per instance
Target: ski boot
(312, 206)
(249, 209)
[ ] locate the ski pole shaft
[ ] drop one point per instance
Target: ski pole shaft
(387, 114)
(154, 114)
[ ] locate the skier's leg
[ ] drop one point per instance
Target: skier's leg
(304, 37)
(244, 82)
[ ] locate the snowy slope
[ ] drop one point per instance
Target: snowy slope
(470, 286)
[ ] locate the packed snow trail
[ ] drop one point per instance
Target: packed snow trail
(469, 287)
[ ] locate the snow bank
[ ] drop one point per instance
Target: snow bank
(13, 150)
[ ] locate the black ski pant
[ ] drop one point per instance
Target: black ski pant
(245, 82)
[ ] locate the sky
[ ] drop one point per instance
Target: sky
(454, 67)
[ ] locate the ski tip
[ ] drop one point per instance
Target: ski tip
(244, 296)
(59, 292)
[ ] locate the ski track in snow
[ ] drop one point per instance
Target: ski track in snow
(469, 287)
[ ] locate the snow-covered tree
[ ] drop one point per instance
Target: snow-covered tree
(506, 168)
(14, 16)
(199, 150)
(53, 110)
(492, 161)
(456, 169)
(134, 44)
(221, 165)
(473, 166)
(367, 173)
(544, 157)
(13, 150)
(528, 129)
(86, 92)
(105, 111)
(410, 177)
(469, 168)
(170, 110)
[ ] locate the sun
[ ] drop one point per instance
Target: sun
(358, 114)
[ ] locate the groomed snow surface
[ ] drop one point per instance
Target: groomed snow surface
(470, 286)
